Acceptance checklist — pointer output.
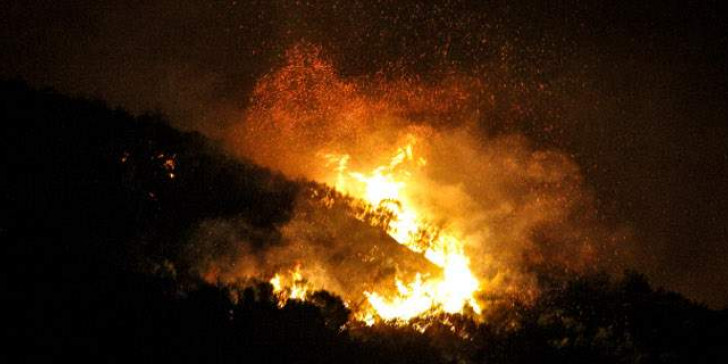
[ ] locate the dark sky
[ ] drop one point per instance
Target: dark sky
(637, 94)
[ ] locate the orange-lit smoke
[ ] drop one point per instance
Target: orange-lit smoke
(481, 214)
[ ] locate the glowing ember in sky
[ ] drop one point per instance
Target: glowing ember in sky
(464, 213)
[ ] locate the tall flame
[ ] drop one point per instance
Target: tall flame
(387, 187)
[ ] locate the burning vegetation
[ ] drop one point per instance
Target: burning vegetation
(411, 215)
(364, 182)
(227, 261)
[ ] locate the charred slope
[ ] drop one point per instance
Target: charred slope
(91, 214)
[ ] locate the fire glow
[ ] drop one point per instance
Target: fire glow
(386, 187)
(290, 286)
(451, 212)
(390, 190)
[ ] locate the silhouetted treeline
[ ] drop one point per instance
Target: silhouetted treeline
(96, 207)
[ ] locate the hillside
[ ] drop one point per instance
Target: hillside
(102, 259)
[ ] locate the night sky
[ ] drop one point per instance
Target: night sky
(636, 94)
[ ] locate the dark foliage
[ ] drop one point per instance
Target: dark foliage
(90, 215)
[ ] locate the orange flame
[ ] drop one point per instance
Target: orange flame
(387, 187)
(291, 286)
(426, 189)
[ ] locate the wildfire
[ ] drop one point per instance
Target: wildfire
(407, 159)
(388, 188)
(291, 286)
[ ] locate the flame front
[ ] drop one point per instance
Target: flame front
(386, 187)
